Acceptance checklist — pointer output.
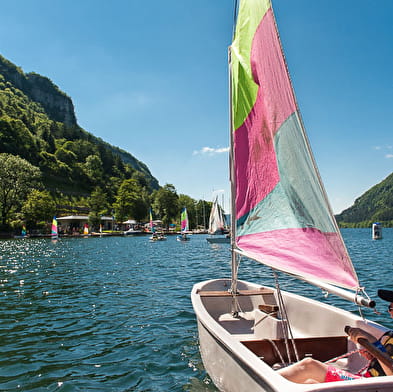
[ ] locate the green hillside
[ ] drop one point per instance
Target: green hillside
(375, 205)
(38, 123)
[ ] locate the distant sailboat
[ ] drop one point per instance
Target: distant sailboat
(377, 231)
(86, 230)
(155, 236)
(184, 226)
(23, 233)
(54, 231)
(217, 225)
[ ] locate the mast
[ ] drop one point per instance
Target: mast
(203, 209)
(234, 256)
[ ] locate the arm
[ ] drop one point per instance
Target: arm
(358, 333)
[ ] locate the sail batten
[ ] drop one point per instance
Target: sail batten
(283, 218)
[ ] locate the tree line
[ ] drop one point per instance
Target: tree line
(50, 166)
(24, 201)
(375, 205)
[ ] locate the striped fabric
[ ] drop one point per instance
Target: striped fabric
(283, 218)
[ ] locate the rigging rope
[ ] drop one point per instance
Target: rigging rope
(286, 327)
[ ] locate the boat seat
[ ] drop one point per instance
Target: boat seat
(226, 293)
(267, 325)
(321, 348)
(271, 310)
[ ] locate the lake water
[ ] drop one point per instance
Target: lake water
(114, 314)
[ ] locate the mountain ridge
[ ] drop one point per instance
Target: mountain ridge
(376, 204)
(38, 123)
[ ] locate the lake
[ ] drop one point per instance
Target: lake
(114, 313)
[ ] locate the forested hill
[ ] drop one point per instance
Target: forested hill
(375, 205)
(38, 123)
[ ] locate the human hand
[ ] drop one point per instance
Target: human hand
(366, 354)
(357, 333)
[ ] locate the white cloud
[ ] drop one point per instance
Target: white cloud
(389, 156)
(211, 151)
(386, 147)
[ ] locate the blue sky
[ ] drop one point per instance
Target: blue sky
(151, 78)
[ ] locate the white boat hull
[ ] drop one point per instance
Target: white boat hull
(229, 346)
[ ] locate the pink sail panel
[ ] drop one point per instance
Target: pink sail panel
(254, 148)
(321, 252)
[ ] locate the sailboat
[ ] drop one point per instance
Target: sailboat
(54, 230)
(376, 231)
(217, 225)
(23, 233)
(183, 226)
(155, 236)
(86, 230)
(281, 218)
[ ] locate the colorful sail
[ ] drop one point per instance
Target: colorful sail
(184, 220)
(152, 229)
(216, 220)
(23, 233)
(283, 218)
(85, 229)
(54, 232)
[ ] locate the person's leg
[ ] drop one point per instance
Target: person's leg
(306, 371)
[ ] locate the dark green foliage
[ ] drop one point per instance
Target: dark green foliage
(17, 178)
(37, 123)
(166, 204)
(375, 205)
(37, 208)
(130, 201)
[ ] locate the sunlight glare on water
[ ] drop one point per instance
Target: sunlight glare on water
(115, 314)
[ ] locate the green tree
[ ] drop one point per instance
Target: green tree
(93, 168)
(166, 204)
(39, 206)
(202, 213)
(17, 178)
(98, 202)
(98, 205)
(130, 201)
(66, 156)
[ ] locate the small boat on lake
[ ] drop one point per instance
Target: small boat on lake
(280, 218)
(86, 232)
(155, 236)
(23, 233)
(217, 225)
(184, 227)
(54, 229)
(377, 231)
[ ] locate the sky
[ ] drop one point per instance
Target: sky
(151, 77)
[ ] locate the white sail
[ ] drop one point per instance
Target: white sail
(216, 220)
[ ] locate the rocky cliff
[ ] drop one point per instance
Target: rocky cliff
(57, 105)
